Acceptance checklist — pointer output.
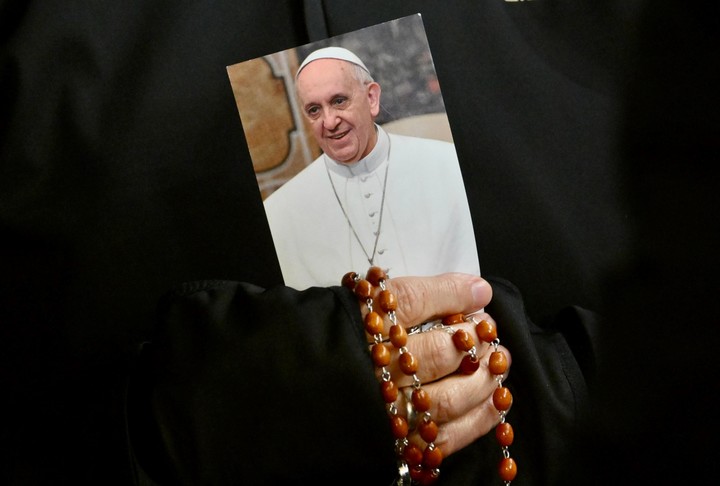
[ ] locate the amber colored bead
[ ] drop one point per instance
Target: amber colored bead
(348, 280)
(502, 398)
(420, 400)
(398, 336)
(389, 391)
(363, 289)
(387, 301)
(462, 340)
(469, 364)
(416, 473)
(374, 323)
(399, 426)
(408, 363)
(428, 430)
(507, 469)
(486, 331)
(428, 477)
(432, 458)
(498, 363)
(413, 455)
(375, 275)
(504, 434)
(380, 355)
(453, 319)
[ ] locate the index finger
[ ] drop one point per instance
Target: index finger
(421, 299)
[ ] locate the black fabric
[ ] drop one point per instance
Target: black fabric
(123, 171)
(656, 399)
(246, 386)
(222, 398)
(315, 20)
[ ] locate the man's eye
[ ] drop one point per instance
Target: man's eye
(313, 111)
(339, 101)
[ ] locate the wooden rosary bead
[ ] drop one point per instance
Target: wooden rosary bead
(504, 434)
(389, 391)
(375, 275)
(502, 398)
(363, 289)
(428, 430)
(374, 324)
(417, 473)
(507, 469)
(399, 426)
(387, 301)
(427, 477)
(420, 400)
(469, 364)
(380, 355)
(462, 340)
(432, 458)
(408, 363)
(413, 455)
(498, 363)
(348, 280)
(398, 336)
(486, 331)
(453, 319)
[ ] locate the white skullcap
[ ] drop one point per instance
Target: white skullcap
(332, 53)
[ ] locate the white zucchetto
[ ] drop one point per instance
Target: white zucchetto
(332, 53)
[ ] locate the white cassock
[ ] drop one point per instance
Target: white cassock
(324, 221)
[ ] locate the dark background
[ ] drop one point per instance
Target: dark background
(587, 135)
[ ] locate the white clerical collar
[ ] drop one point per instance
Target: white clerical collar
(366, 165)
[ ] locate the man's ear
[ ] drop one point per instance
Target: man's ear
(373, 94)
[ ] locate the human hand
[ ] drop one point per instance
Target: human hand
(461, 405)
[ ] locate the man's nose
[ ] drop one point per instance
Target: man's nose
(330, 119)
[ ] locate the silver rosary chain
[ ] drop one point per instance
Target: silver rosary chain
(370, 259)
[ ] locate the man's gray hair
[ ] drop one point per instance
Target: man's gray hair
(361, 75)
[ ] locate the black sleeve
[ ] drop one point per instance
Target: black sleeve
(249, 386)
(253, 386)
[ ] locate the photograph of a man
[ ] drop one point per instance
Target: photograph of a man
(371, 197)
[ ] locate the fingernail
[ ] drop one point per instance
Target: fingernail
(479, 293)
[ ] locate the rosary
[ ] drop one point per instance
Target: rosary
(418, 465)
